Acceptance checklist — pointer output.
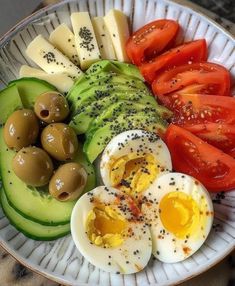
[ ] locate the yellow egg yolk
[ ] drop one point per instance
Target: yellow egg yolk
(133, 173)
(179, 214)
(105, 227)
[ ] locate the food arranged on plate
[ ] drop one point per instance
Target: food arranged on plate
(122, 154)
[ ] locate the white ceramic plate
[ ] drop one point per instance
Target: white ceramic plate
(60, 260)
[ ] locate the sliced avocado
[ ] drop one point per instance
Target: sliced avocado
(29, 88)
(102, 66)
(128, 69)
(123, 107)
(128, 114)
(145, 104)
(105, 79)
(94, 107)
(30, 228)
(96, 93)
(97, 141)
(9, 102)
(115, 66)
(33, 203)
(87, 81)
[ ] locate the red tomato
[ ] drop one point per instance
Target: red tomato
(188, 53)
(150, 40)
(215, 79)
(200, 108)
(219, 135)
(195, 157)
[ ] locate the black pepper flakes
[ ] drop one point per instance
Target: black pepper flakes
(50, 57)
(86, 35)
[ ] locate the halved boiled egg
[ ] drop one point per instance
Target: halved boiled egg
(133, 160)
(179, 212)
(109, 231)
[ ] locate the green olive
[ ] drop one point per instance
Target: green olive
(33, 166)
(60, 141)
(68, 182)
(21, 129)
(51, 107)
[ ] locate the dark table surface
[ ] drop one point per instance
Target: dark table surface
(223, 8)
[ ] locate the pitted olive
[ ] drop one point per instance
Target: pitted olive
(68, 182)
(51, 107)
(33, 166)
(21, 129)
(60, 141)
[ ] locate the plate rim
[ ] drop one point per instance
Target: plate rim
(21, 24)
(4, 39)
(51, 277)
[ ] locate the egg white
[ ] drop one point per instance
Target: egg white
(129, 257)
(166, 246)
(129, 142)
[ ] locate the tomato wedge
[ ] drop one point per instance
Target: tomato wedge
(150, 40)
(195, 157)
(214, 78)
(222, 136)
(188, 53)
(191, 109)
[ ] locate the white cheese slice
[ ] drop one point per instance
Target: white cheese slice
(117, 25)
(103, 39)
(63, 39)
(85, 39)
(62, 82)
(51, 60)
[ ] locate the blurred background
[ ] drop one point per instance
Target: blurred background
(12, 11)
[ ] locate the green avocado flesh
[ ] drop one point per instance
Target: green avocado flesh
(98, 138)
(9, 102)
(30, 88)
(124, 107)
(111, 97)
(103, 82)
(88, 113)
(35, 203)
(115, 66)
(30, 228)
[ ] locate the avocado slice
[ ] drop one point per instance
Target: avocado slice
(93, 108)
(128, 69)
(96, 141)
(102, 66)
(128, 114)
(107, 79)
(9, 102)
(115, 66)
(126, 107)
(96, 93)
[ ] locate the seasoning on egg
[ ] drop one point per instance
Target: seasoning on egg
(111, 224)
(132, 161)
(182, 223)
